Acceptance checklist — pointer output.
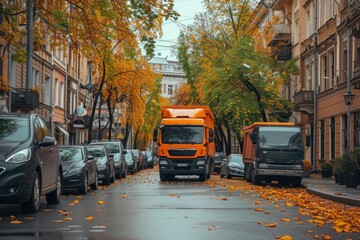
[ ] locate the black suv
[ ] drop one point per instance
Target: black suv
(30, 164)
(115, 148)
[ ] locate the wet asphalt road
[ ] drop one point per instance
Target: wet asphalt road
(141, 207)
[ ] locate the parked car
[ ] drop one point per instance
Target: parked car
(131, 162)
(139, 158)
(105, 163)
(116, 148)
(232, 166)
(30, 164)
(80, 169)
(149, 158)
(219, 157)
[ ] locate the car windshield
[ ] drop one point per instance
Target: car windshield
(135, 152)
(182, 134)
(280, 137)
(112, 147)
(14, 129)
(71, 154)
(236, 159)
(96, 152)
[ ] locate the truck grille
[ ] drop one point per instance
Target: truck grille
(182, 152)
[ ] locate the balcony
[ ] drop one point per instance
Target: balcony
(284, 53)
(24, 99)
(281, 33)
(304, 101)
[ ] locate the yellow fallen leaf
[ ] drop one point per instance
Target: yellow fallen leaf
(75, 201)
(285, 219)
(16, 222)
(212, 186)
(27, 218)
(288, 204)
(267, 212)
(101, 202)
(326, 237)
(224, 198)
(124, 196)
(12, 217)
(58, 221)
(286, 237)
(230, 188)
(257, 202)
(68, 219)
(90, 218)
(172, 194)
(271, 225)
(258, 209)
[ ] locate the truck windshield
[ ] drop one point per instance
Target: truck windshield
(182, 134)
(280, 138)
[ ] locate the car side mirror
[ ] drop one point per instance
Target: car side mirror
(90, 157)
(211, 135)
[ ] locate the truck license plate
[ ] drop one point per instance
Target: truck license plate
(182, 165)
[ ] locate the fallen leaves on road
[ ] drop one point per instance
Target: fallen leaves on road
(101, 202)
(15, 222)
(343, 218)
(89, 218)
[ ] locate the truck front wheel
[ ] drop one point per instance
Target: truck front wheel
(163, 177)
(254, 178)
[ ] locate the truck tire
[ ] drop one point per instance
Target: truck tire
(208, 171)
(202, 177)
(163, 177)
(254, 178)
(247, 173)
(296, 182)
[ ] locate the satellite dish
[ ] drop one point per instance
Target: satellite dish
(80, 110)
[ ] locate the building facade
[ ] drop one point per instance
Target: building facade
(323, 36)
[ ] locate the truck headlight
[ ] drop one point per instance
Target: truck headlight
(163, 162)
(263, 165)
(201, 162)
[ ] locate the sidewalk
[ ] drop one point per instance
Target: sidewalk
(327, 188)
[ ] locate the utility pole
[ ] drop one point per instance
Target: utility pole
(315, 84)
(29, 43)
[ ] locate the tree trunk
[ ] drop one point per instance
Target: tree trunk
(252, 88)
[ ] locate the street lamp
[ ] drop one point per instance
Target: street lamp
(349, 98)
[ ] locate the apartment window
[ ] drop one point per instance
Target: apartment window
(56, 92)
(296, 35)
(36, 77)
(13, 73)
(89, 70)
(322, 140)
(332, 68)
(324, 10)
(344, 130)
(164, 88)
(308, 77)
(344, 65)
(325, 73)
(357, 129)
(332, 138)
(62, 93)
(170, 89)
(308, 23)
(48, 91)
(332, 8)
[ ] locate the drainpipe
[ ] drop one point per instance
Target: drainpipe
(29, 43)
(348, 89)
(315, 84)
(51, 95)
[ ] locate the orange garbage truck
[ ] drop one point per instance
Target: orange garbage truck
(273, 151)
(185, 142)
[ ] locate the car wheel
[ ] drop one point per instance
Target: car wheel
(163, 177)
(107, 179)
(112, 179)
(84, 188)
(228, 176)
(54, 196)
(94, 186)
(33, 204)
(124, 172)
(202, 177)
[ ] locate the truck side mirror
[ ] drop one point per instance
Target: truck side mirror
(155, 135)
(211, 135)
(253, 136)
(308, 140)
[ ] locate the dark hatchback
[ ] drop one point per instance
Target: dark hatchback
(105, 163)
(30, 164)
(80, 170)
(148, 158)
(139, 158)
(131, 162)
(116, 148)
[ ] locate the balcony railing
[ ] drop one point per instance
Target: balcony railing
(284, 53)
(303, 101)
(281, 32)
(24, 99)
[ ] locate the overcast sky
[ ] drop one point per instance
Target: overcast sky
(187, 10)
